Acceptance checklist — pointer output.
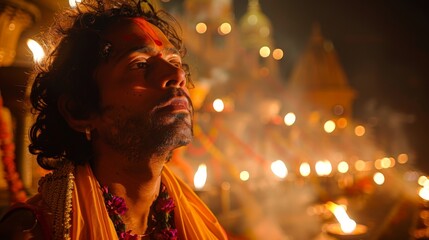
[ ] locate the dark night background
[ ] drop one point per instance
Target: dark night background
(383, 47)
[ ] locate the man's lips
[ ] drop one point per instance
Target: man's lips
(175, 104)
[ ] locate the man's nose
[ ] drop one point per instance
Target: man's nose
(169, 74)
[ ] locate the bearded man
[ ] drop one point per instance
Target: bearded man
(112, 103)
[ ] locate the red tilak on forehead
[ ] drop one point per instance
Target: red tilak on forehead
(147, 28)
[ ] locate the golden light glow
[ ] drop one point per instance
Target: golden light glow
(289, 119)
(323, 168)
(422, 180)
(360, 130)
(200, 176)
(424, 193)
(224, 28)
(360, 165)
(277, 54)
(379, 178)
(201, 27)
(73, 3)
(343, 167)
(218, 105)
(304, 169)
(264, 51)
(329, 126)
(244, 176)
(392, 162)
(347, 224)
(342, 122)
(279, 168)
(402, 158)
(377, 164)
(385, 162)
(36, 49)
(11, 26)
(252, 19)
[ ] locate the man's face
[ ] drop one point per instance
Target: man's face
(144, 101)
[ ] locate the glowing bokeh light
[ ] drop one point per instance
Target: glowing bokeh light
(304, 169)
(201, 28)
(224, 28)
(378, 178)
(73, 3)
(329, 126)
(421, 180)
(323, 168)
(277, 54)
(342, 122)
(402, 158)
(244, 176)
(385, 162)
(360, 130)
(289, 119)
(12, 26)
(360, 165)
(218, 105)
(338, 110)
(279, 168)
(36, 49)
(392, 162)
(424, 193)
(377, 164)
(200, 176)
(252, 19)
(264, 51)
(343, 167)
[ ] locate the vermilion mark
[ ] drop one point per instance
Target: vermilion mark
(144, 25)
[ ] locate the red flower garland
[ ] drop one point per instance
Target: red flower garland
(161, 223)
(7, 149)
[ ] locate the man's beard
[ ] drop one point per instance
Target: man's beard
(139, 138)
(142, 136)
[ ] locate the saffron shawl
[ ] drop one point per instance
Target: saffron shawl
(90, 219)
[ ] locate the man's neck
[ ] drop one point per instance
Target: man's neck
(137, 181)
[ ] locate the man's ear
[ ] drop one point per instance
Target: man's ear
(66, 107)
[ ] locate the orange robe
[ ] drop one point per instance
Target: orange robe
(192, 217)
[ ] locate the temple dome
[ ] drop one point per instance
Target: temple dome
(319, 77)
(255, 27)
(318, 67)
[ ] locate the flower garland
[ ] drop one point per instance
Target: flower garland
(161, 221)
(7, 150)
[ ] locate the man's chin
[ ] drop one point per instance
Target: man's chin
(172, 118)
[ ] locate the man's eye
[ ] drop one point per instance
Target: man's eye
(176, 63)
(139, 65)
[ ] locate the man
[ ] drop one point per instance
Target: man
(113, 103)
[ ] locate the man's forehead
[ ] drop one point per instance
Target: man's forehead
(137, 33)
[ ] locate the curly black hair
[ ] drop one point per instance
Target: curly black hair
(77, 48)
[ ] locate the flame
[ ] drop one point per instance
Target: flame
(36, 49)
(347, 224)
(200, 176)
